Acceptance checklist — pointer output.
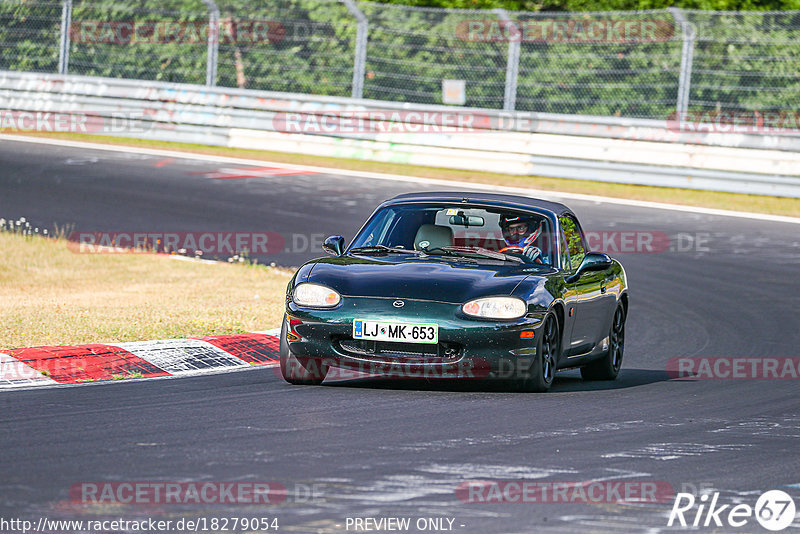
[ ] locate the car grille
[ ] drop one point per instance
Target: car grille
(442, 352)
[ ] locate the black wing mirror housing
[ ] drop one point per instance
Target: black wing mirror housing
(593, 261)
(334, 245)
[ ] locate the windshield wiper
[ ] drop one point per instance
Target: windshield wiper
(443, 250)
(384, 248)
(481, 252)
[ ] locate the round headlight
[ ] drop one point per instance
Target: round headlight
(495, 308)
(315, 296)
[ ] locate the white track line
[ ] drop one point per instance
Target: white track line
(407, 179)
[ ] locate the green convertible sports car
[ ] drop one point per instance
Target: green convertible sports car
(458, 285)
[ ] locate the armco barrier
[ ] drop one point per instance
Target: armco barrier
(612, 149)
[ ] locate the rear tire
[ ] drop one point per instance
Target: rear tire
(293, 370)
(607, 367)
(542, 371)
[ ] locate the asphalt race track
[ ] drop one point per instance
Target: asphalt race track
(375, 448)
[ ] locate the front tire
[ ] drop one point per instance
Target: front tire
(293, 370)
(542, 371)
(607, 367)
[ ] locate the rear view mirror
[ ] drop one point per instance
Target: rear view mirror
(466, 220)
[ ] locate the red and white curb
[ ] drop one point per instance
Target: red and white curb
(50, 366)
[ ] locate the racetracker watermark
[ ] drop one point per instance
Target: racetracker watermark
(378, 121)
(574, 492)
(124, 32)
(88, 122)
(332, 370)
(211, 243)
(772, 122)
(141, 524)
(194, 243)
(622, 241)
(426, 121)
(207, 492)
(573, 30)
(734, 368)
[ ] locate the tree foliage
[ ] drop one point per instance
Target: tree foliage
(742, 60)
(606, 5)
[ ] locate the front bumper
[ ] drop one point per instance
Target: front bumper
(468, 348)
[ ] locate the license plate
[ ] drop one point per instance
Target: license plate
(400, 332)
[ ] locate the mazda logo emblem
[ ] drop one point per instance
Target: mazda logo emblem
(398, 304)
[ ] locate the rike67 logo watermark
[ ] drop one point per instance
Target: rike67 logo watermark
(774, 510)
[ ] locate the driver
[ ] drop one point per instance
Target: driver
(520, 233)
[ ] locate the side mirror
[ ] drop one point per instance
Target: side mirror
(334, 245)
(593, 261)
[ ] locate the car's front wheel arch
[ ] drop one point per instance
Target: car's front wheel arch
(541, 373)
(558, 310)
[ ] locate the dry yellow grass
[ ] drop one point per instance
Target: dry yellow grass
(52, 296)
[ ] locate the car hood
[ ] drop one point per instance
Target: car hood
(413, 277)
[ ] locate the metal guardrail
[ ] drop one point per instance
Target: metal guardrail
(637, 151)
(233, 99)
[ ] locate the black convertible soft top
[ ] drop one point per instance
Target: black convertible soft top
(484, 198)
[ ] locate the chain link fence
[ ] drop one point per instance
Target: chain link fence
(643, 64)
(97, 48)
(30, 35)
(746, 60)
(411, 50)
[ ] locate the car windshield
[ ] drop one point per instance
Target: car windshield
(458, 230)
